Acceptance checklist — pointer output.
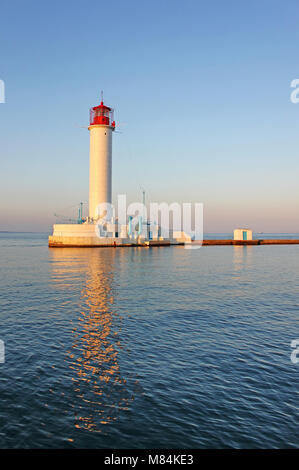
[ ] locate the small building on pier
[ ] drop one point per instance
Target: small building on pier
(243, 234)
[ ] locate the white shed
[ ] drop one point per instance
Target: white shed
(243, 234)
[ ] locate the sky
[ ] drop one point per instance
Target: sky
(201, 92)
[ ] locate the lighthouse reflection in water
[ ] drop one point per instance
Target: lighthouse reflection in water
(99, 390)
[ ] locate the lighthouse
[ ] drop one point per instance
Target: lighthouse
(97, 229)
(101, 126)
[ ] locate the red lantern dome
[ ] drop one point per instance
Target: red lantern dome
(102, 115)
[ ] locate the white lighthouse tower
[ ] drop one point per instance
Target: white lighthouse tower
(101, 126)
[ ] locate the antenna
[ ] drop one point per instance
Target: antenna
(143, 201)
(143, 194)
(102, 96)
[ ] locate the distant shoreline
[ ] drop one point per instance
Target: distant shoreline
(11, 231)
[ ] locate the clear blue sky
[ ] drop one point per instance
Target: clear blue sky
(201, 89)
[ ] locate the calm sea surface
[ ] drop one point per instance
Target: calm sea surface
(136, 347)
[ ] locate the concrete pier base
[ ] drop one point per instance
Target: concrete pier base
(85, 235)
